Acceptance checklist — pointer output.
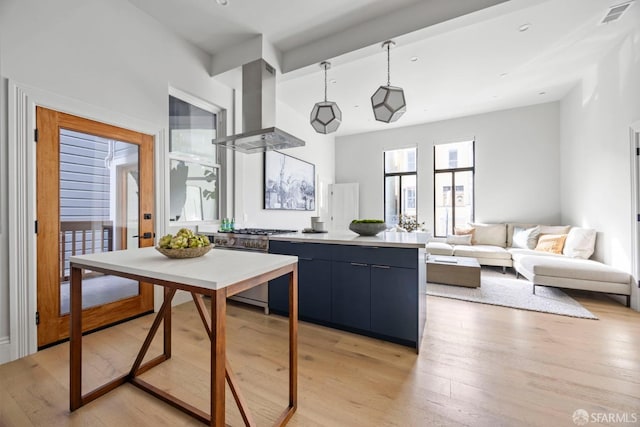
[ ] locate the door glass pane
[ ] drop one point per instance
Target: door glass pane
(409, 207)
(392, 200)
(98, 211)
(464, 198)
(442, 202)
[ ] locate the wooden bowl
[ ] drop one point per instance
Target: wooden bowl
(185, 252)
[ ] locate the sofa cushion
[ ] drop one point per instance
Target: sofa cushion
(580, 243)
(554, 229)
(481, 251)
(462, 239)
(525, 238)
(439, 248)
(490, 234)
(573, 268)
(551, 243)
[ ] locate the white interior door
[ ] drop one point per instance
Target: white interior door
(343, 205)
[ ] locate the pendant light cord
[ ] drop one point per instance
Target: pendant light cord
(389, 64)
(325, 83)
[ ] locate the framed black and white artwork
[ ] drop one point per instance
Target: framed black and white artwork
(289, 183)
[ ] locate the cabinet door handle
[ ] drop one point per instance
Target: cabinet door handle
(305, 258)
(380, 266)
(359, 264)
(371, 247)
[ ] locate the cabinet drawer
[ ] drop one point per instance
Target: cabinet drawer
(301, 249)
(374, 255)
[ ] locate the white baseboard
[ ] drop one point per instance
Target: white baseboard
(5, 350)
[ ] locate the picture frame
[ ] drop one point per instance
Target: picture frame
(289, 183)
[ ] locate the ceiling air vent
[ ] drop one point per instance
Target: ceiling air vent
(615, 12)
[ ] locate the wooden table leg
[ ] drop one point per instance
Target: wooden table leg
(218, 357)
(293, 338)
(167, 325)
(75, 340)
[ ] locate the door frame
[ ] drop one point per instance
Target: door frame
(634, 143)
(21, 150)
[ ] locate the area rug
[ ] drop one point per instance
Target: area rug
(505, 290)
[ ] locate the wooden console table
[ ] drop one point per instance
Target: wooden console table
(218, 274)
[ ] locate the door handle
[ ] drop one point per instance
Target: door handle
(146, 236)
(380, 266)
(359, 264)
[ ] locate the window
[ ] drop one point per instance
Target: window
(454, 168)
(194, 168)
(400, 196)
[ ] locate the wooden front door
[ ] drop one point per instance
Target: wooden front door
(94, 185)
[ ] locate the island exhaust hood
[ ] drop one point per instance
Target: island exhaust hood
(259, 133)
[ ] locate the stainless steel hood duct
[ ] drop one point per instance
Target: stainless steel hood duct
(258, 114)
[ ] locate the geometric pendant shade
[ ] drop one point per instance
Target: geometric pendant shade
(388, 101)
(325, 115)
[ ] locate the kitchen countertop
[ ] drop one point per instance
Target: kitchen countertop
(386, 238)
(214, 270)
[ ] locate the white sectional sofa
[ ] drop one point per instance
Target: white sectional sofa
(524, 247)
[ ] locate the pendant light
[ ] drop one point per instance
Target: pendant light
(326, 116)
(388, 101)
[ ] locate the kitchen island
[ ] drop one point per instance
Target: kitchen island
(218, 274)
(374, 285)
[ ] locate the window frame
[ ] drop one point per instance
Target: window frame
(386, 175)
(219, 163)
(453, 190)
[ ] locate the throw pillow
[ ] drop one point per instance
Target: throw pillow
(490, 234)
(459, 239)
(525, 238)
(552, 243)
(580, 243)
(461, 231)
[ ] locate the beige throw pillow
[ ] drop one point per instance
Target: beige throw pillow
(461, 231)
(490, 234)
(552, 243)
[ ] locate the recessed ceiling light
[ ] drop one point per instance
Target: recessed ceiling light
(542, 93)
(222, 2)
(414, 59)
(333, 81)
(504, 74)
(524, 27)
(356, 106)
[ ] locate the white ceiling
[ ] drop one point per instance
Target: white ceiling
(470, 61)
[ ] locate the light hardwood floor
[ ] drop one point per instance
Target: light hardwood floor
(479, 365)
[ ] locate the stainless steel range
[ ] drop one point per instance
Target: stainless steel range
(249, 239)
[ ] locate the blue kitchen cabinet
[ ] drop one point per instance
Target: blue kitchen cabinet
(370, 290)
(394, 302)
(314, 281)
(351, 294)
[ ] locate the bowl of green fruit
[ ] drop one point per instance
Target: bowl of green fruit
(367, 227)
(185, 244)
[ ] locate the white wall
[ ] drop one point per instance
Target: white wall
(114, 58)
(596, 152)
(319, 150)
(106, 54)
(517, 163)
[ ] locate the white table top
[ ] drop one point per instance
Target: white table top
(385, 238)
(215, 270)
